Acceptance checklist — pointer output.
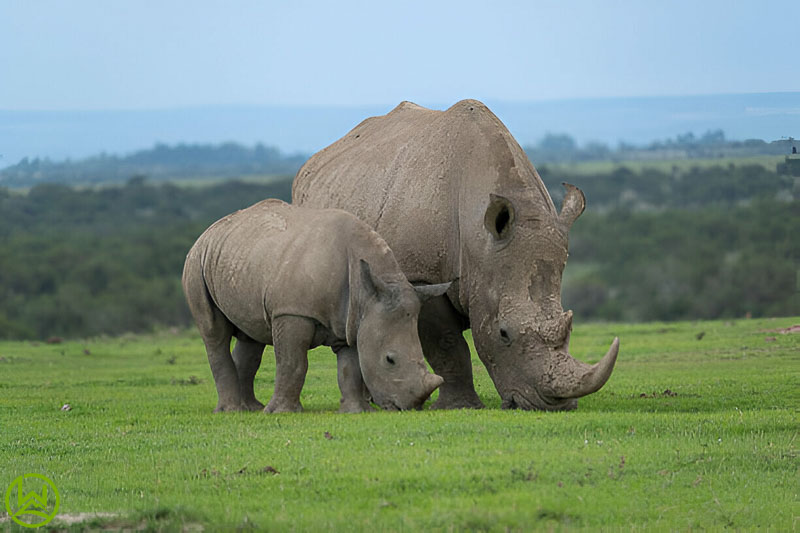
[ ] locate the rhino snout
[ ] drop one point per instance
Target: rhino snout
(413, 397)
(537, 370)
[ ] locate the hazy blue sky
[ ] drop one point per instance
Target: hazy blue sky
(81, 54)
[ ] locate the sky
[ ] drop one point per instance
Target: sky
(134, 55)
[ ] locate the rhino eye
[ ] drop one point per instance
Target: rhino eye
(390, 359)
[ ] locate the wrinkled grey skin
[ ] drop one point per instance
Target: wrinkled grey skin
(456, 198)
(297, 278)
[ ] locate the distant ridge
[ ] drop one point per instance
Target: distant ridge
(162, 162)
(62, 135)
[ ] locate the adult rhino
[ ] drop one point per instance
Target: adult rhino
(455, 197)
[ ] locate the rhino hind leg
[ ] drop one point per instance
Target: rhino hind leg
(225, 377)
(247, 358)
(217, 332)
(292, 337)
(444, 347)
(351, 382)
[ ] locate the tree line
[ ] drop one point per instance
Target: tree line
(160, 163)
(705, 243)
(563, 148)
(231, 160)
(85, 262)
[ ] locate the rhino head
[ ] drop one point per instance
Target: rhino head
(520, 330)
(384, 327)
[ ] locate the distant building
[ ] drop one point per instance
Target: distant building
(791, 164)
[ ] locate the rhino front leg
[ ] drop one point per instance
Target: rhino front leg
(247, 357)
(351, 382)
(440, 332)
(292, 337)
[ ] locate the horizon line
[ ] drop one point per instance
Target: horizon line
(428, 103)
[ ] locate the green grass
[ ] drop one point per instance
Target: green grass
(687, 434)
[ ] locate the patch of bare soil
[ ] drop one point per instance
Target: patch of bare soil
(71, 518)
(784, 331)
(666, 394)
(77, 518)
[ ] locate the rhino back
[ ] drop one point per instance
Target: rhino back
(272, 259)
(421, 179)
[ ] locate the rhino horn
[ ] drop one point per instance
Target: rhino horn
(573, 206)
(432, 382)
(581, 379)
(426, 292)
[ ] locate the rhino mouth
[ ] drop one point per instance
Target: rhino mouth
(390, 406)
(516, 400)
(393, 405)
(386, 404)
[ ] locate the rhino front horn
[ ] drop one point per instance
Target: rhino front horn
(432, 382)
(593, 377)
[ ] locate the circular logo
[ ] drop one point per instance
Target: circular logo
(36, 502)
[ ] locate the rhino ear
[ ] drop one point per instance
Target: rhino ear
(371, 284)
(573, 206)
(499, 217)
(426, 292)
(363, 285)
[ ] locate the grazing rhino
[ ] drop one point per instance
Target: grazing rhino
(297, 278)
(456, 198)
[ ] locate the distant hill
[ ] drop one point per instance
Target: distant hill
(59, 135)
(160, 163)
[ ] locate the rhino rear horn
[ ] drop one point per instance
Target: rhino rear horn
(573, 206)
(426, 292)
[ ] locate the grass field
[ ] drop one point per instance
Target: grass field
(697, 428)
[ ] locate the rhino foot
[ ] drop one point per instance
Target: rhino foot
(467, 400)
(355, 406)
(254, 405)
(230, 407)
(283, 406)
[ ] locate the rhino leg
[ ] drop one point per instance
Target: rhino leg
(217, 332)
(292, 337)
(440, 332)
(247, 357)
(351, 382)
(223, 370)
(225, 377)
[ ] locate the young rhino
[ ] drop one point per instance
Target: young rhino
(297, 278)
